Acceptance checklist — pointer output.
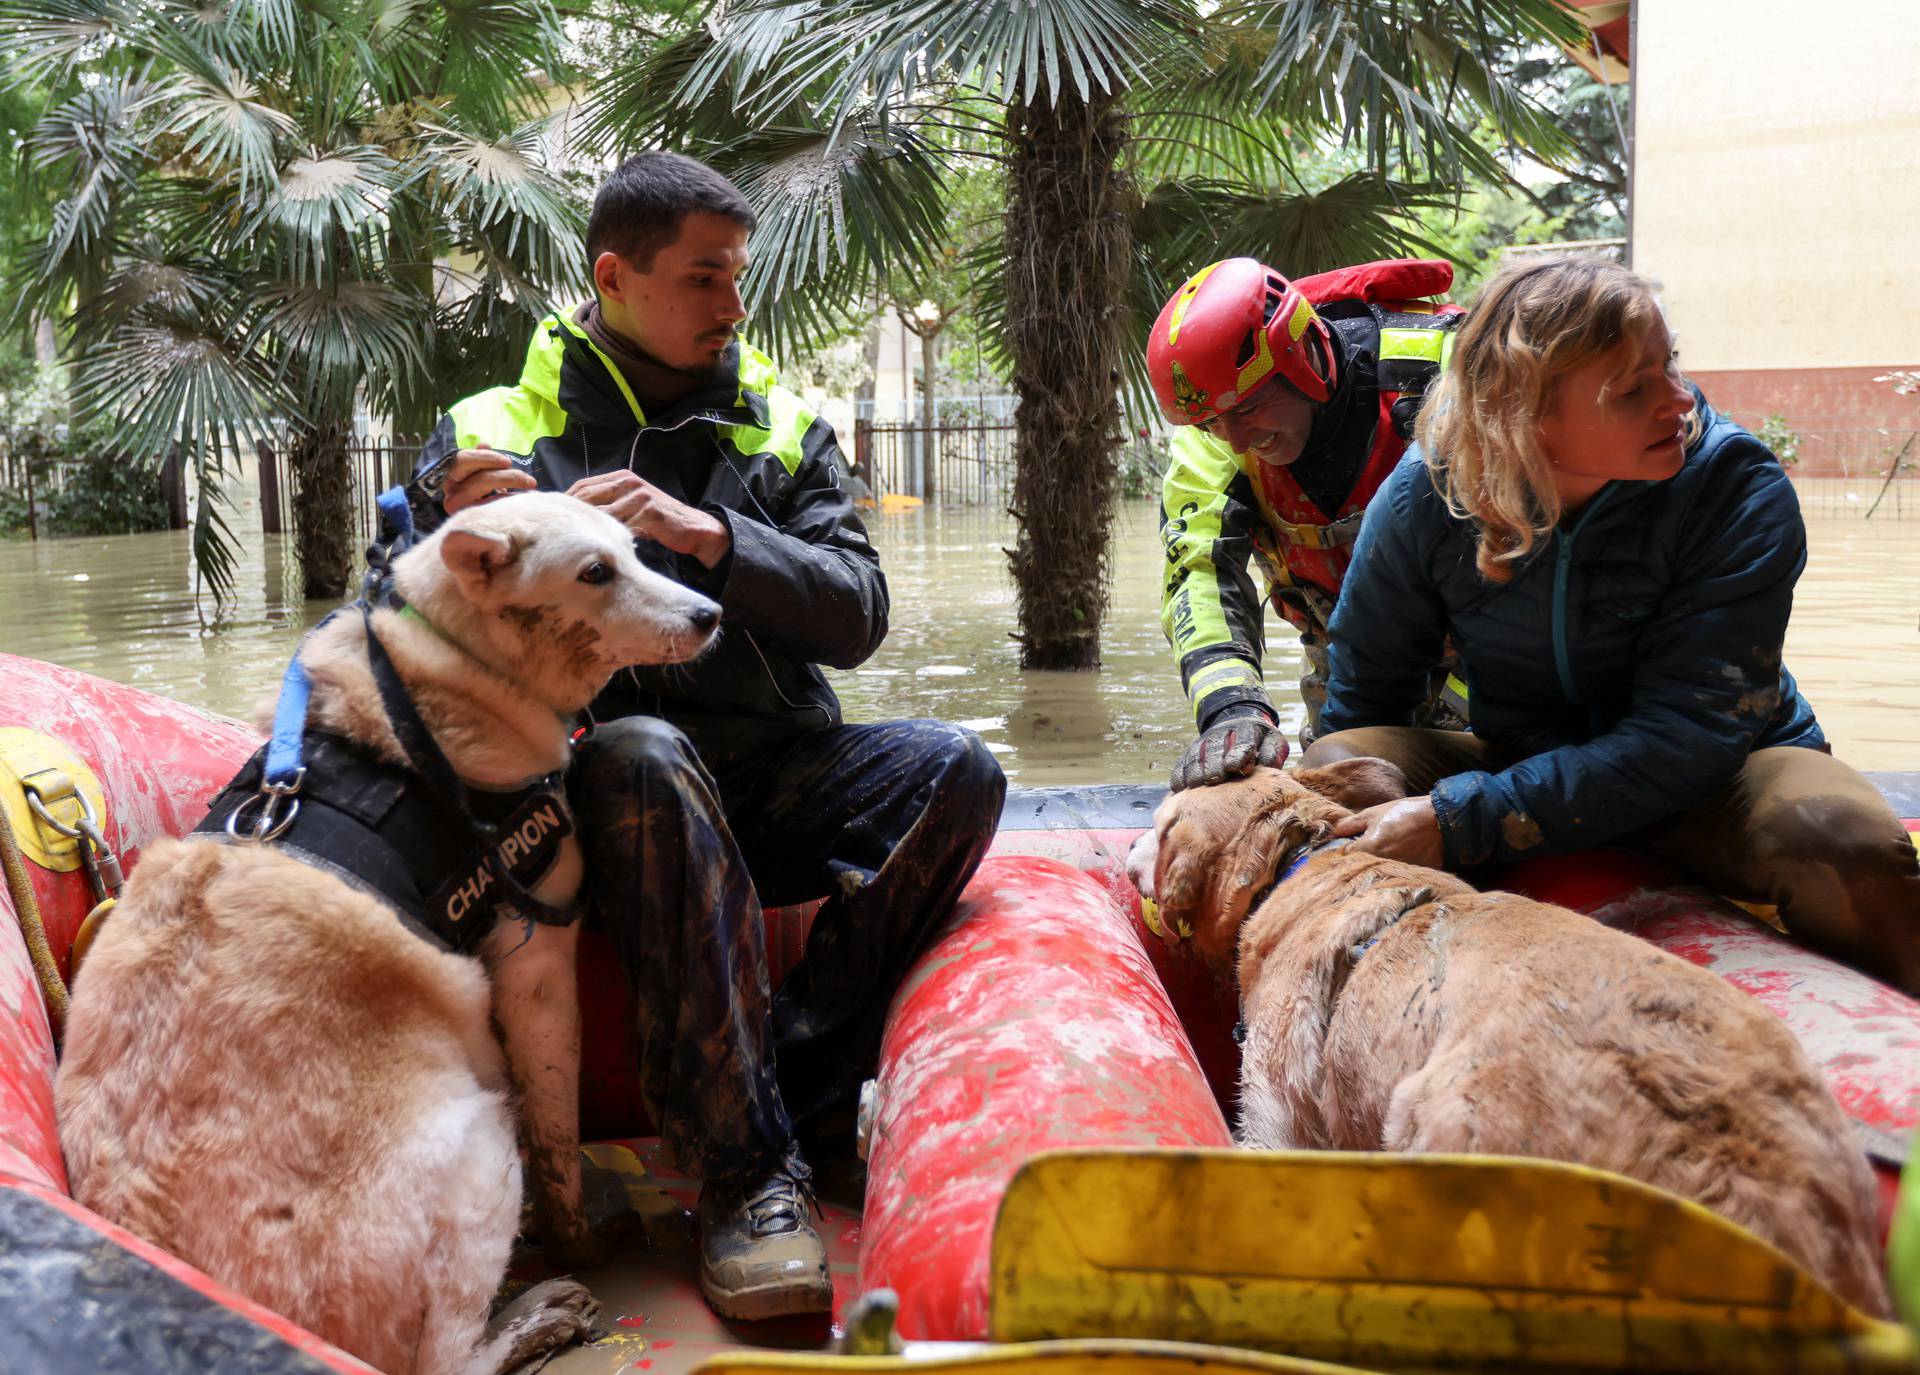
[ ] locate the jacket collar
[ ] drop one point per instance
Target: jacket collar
(736, 397)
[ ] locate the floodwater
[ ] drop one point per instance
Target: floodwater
(124, 608)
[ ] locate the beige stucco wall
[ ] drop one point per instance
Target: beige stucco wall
(1777, 179)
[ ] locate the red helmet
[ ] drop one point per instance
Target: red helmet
(1231, 327)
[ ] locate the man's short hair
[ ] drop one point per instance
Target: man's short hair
(638, 209)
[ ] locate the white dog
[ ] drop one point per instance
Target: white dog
(274, 1076)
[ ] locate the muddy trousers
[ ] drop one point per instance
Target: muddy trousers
(1795, 828)
(886, 822)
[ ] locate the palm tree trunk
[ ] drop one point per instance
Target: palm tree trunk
(1068, 239)
(323, 507)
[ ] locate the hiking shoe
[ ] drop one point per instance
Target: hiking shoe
(759, 1255)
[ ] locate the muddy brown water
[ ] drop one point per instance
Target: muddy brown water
(124, 608)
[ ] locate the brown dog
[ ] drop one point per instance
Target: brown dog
(273, 1076)
(1392, 1007)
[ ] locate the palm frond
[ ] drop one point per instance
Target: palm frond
(653, 101)
(326, 201)
(150, 275)
(498, 59)
(1402, 82)
(879, 51)
(93, 141)
(47, 39)
(507, 189)
(836, 211)
(226, 125)
(357, 327)
(1356, 219)
(201, 394)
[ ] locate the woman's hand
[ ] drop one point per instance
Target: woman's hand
(1405, 829)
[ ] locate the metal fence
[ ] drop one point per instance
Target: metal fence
(959, 462)
(34, 479)
(376, 463)
(1858, 473)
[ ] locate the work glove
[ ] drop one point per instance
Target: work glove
(1231, 747)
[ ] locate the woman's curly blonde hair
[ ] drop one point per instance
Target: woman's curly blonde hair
(1480, 427)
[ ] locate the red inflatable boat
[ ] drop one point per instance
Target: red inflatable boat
(1045, 1018)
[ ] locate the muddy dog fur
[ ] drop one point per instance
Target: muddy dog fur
(1393, 1007)
(271, 1077)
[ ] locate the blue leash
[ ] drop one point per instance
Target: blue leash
(284, 769)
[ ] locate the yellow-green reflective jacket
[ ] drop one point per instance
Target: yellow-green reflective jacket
(801, 586)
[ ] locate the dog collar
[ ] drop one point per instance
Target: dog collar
(1305, 853)
(1292, 867)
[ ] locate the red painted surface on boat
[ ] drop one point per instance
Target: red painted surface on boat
(1036, 1021)
(160, 764)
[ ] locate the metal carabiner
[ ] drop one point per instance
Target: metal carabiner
(103, 865)
(104, 875)
(47, 818)
(273, 819)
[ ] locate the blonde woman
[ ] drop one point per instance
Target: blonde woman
(1615, 563)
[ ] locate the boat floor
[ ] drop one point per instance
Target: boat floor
(652, 1316)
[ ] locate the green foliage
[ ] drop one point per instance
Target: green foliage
(270, 211)
(86, 484)
(1475, 232)
(1589, 196)
(855, 126)
(105, 491)
(1782, 438)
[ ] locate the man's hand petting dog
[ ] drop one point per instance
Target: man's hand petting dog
(481, 474)
(1405, 829)
(649, 512)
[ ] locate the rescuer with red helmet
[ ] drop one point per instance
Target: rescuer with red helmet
(1293, 401)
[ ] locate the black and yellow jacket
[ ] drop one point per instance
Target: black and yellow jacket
(1218, 511)
(802, 585)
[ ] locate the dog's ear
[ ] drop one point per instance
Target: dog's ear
(476, 557)
(1356, 784)
(1219, 848)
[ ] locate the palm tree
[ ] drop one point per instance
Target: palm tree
(1135, 136)
(274, 211)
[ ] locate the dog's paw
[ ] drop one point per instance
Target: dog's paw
(540, 1321)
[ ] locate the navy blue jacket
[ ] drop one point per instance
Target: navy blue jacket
(1632, 664)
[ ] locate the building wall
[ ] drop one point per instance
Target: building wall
(1777, 199)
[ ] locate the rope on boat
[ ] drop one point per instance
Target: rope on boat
(27, 908)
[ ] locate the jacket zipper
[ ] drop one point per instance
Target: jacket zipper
(1563, 565)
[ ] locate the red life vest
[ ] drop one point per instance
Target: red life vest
(1313, 547)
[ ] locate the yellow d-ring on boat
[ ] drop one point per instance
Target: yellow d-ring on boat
(62, 778)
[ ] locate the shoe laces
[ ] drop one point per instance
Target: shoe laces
(781, 1201)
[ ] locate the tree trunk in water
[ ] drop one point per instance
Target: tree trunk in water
(1068, 239)
(323, 508)
(929, 448)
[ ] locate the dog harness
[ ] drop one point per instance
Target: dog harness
(449, 859)
(378, 828)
